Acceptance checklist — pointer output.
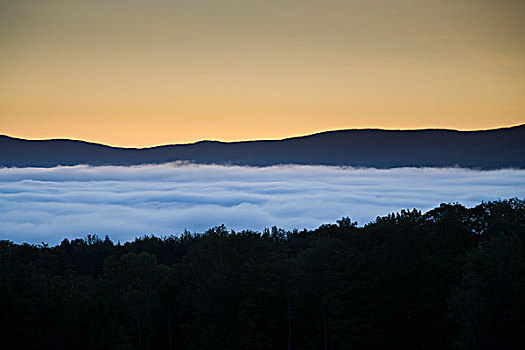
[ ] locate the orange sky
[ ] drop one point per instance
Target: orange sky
(142, 73)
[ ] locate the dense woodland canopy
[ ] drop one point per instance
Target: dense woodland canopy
(452, 277)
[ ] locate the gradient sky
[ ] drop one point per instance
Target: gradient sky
(142, 73)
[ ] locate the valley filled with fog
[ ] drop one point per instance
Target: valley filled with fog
(49, 204)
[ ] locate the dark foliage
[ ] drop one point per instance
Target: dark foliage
(453, 277)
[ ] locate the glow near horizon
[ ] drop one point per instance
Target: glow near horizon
(142, 73)
(49, 204)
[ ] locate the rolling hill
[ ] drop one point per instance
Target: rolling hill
(485, 149)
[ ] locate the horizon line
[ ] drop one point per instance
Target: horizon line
(265, 139)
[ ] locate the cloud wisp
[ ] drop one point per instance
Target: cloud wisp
(49, 204)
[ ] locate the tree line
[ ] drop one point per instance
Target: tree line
(453, 277)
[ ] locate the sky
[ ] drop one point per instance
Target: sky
(143, 73)
(50, 204)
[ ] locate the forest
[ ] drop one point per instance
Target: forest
(453, 277)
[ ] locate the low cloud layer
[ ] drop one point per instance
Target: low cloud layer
(49, 204)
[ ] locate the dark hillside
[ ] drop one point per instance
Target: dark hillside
(489, 149)
(453, 277)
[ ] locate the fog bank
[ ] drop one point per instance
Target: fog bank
(48, 204)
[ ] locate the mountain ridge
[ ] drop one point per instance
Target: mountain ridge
(380, 148)
(271, 140)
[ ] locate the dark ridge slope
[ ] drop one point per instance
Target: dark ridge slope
(487, 149)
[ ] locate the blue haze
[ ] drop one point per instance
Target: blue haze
(49, 204)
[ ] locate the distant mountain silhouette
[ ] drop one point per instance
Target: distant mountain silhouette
(486, 149)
